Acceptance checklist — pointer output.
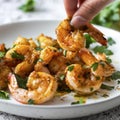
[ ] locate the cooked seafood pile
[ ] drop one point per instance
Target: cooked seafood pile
(33, 72)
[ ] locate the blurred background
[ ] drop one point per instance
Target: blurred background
(21, 10)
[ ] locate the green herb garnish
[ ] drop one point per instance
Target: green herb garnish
(17, 56)
(28, 6)
(81, 101)
(2, 54)
(4, 95)
(21, 81)
(102, 49)
(65, 52)
(30, 101)
(94, 66)
(115, 75)
(107, 87)
(111, 41)
(89, 40)
(62, 77)
(70, 68)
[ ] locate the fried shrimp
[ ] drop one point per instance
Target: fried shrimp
(82, 80)
(41, 87)
(95, 33)
(4, 71)
(99, 67)
(69, 38)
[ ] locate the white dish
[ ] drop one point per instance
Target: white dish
(58, 108)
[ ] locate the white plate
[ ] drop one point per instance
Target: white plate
(58, 108)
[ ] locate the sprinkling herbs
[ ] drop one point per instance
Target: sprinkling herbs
(4, 95)
(94, 66)
(21, 81)
(107, 87)
(102, 49)
(65, 52)
(30, 101)
(62, 77)
(28, 6)
(70, 68)
(111, 41)
(2, 54)
(80, 101)
(89, 40)
(17, 56)
(115, 75)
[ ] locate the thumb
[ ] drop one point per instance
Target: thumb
(87, 10)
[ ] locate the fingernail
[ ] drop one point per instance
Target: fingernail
(78, 21)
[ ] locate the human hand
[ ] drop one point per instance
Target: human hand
(82, 11)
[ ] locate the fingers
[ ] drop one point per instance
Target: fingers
(87, 11)
(70, 7)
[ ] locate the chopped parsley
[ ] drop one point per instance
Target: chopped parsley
(94, 66)
(4, 95)
(102, 49)
(107, 87)
(89, 40)
(111, 41)
(62, 77)
(17, 56)
(28, 6)
(30, 101)
(115, 75)
(21, 81)
(2, 54)
(80, 101)
(65, 52)
(70, 68)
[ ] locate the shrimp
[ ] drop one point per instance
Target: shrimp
(82, 80)
(4, 71)
(41, 87)
(58, 63)
(39, 67)
(99, 67)
(47, 54)
(95, 33)
(72, 39)
(69, 38)
(45, 41)
(24, 68)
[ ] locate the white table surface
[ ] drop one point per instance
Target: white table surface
(45, 10)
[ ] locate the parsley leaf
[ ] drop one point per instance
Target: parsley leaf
(116, 75)
(28, 6)
(70, 68)
(111, 41)
(21, 81)
(107, 87)
(2, 54)
(30, 101)
(94, 66)
(89, 40)
(17, 56)
(4, 95)
(102, 49)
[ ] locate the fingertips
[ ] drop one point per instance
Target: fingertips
(70, 7)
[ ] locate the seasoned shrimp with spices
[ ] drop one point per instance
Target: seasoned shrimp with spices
(41, 87)
(82, 80)
(68, 37)
(98, 67)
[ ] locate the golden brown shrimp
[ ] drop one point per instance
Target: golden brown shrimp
(39, 67)
(41, 87)
(69, 38)
(99, 67)
(82, 80)
(58, 63)
(4, 71)
(95, 33)
(45, 41)
(24, 68)
(47, 54)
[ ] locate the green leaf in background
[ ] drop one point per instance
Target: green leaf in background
(109, 16)
(28, 6)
